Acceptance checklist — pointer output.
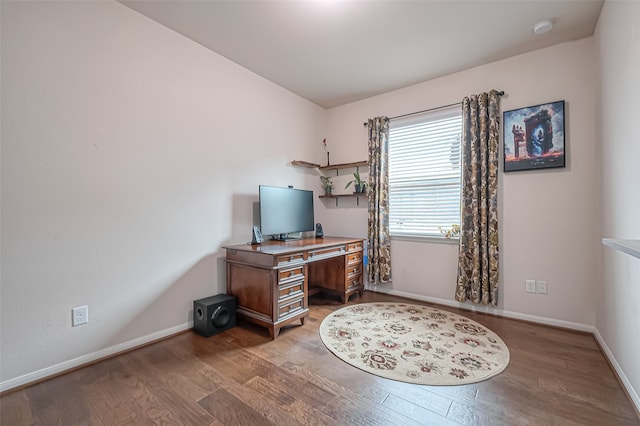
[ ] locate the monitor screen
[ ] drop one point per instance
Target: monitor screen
(285, 210)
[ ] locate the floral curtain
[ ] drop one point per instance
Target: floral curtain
(379, 248)
(479, 254)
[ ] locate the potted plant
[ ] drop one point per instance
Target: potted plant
(452, 232)
(358, 184)
(327, 184)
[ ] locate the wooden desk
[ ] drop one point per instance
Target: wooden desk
(272, 281)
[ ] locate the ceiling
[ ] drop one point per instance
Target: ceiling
(334, 52)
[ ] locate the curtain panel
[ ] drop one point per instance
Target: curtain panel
(379, 247)
(478, 258)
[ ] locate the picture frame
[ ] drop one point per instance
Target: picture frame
(533, 137)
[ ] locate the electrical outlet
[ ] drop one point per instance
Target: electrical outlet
(530, 286)
(541, 287)
(79, 316)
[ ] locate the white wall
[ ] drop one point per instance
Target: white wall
(550, 219)
(618, 301)
(130, 156)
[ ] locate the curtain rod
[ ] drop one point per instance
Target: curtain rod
(500, 93)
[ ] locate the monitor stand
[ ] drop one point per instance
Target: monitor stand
(284, 237)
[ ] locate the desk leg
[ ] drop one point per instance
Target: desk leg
(274, 332)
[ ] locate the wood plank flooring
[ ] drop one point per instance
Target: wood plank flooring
(242, 377)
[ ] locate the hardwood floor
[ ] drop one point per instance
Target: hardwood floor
(242, 377)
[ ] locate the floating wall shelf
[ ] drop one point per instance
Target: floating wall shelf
(336, 167)
(305, 164)
(357, 195)
(345, 165)
(331, 166)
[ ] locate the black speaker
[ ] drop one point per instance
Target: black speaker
(319, 232)
(257, 236)
(214, 314)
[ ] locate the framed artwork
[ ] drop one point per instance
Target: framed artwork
(534, 137)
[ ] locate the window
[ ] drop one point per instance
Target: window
(424, 173)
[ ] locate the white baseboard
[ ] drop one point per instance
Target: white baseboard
(86, 359)
(532, 318)
(623, 378)
(488, 310)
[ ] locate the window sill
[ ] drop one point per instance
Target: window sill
(430, 240)
(631, 247)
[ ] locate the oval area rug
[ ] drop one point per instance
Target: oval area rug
(414, 343)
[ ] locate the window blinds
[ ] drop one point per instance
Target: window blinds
(424, 173)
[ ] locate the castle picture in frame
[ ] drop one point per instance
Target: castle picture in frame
(534, 137)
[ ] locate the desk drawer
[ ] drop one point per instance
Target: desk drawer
(354, 270)
(354, 282)
(354, 246)
(290, 307)
(354, 258)
(290, 274)
(328, 252)
(287, 291)
(288, 259)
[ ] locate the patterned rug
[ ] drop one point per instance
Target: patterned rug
(413, 343)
